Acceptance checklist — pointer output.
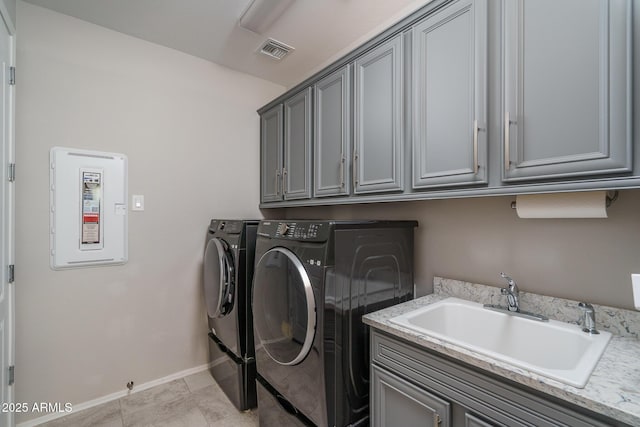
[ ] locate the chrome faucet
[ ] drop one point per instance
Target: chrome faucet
(513, 302)
(588, 318)
(512, 293)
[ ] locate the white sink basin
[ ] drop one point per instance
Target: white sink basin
(556, 350)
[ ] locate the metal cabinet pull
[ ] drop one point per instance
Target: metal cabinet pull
(285, 187)
(507, 142)
(355, 169)
(277, 183)
(342, 160)
(475, 147)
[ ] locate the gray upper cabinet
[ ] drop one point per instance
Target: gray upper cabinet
(296, 173)
(271, 139)
(378, 119)
(465, 98)
(332, 134)
(449, 96)
(567, 88)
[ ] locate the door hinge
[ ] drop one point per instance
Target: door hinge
(12, 374)
(12, 76)
(12, 172)
(11, 277)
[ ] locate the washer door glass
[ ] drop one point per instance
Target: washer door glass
(284, 309)
(219, 278)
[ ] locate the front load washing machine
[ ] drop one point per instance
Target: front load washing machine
(228, 272)
(313, 282)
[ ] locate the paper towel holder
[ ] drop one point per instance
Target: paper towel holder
(610, 199)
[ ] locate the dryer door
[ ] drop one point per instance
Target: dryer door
(284, 308)
(219, 278)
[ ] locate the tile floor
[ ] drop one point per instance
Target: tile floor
(194, 401)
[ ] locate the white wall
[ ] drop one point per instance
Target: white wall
(191, 132)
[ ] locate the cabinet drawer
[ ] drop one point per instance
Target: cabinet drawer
(497, 400)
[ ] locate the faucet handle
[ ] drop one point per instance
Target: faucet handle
(588, 318)
(586, 307)
(510, 281)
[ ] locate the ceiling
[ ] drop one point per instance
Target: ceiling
(320, 30)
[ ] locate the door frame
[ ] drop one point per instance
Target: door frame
(8, 208)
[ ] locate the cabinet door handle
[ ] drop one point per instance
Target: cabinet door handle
(285, 187)
(277, 183)
(341, 170)
(475, 147)
(507, 141)
(355, 169)
(436, 419)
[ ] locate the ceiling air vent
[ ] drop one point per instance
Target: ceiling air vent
(275, 49)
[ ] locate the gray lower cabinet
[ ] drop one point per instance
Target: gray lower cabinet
(450, 101)
(285, 149)
(332, 134)
(412, 386)
(296, 173)
(567, 88)
(271, 139)
(378, 119)
(399, 403)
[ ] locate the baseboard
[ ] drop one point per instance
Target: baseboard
(119, 394)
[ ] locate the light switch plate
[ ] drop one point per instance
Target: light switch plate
(635, 280)
(137, 202)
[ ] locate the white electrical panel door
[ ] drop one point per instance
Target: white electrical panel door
(88, 198)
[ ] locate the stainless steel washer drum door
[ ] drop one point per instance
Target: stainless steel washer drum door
(284, 308)
(218, 279)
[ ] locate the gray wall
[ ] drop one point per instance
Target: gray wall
(184, 123)
(474, 239)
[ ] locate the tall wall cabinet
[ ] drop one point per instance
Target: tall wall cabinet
(332, 134)
(286, 149)
(567, 88)
(449, 90)
(465, 98)
(378, 144)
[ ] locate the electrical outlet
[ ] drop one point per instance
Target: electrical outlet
(635, 280)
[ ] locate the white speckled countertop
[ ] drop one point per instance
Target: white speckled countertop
(614, 386)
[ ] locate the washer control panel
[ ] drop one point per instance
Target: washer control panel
(295, 230)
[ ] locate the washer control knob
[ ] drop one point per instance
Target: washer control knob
(282, 229)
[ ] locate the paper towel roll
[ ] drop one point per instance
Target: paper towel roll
(592, 204)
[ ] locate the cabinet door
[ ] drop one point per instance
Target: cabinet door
(449, 90)
(377, 160)
(396, 402)
(271, 139)
(567, 88)
(296, 174)
(332, 131)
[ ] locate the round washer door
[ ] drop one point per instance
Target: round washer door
(284, 308)
(219, 278)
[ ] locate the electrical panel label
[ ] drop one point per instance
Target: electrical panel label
(91, 209)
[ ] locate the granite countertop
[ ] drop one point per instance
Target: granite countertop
(613, 389)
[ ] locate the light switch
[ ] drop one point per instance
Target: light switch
(137, 202)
